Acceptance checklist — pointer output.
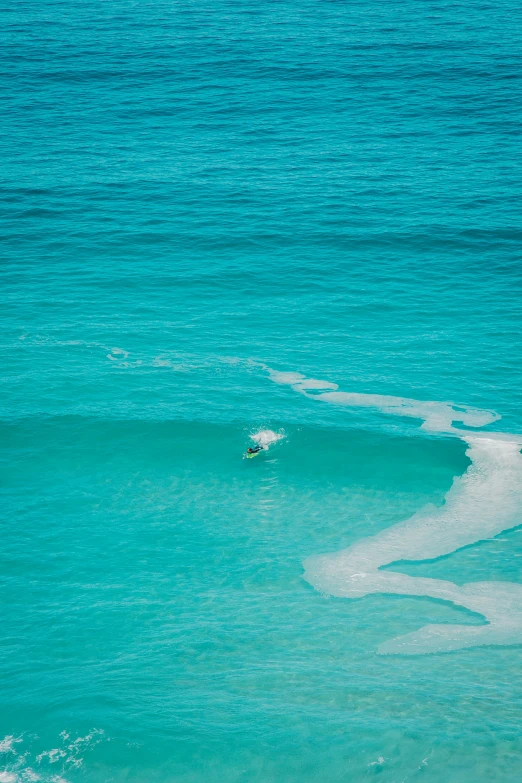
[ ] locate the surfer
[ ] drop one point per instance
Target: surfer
(263, 440)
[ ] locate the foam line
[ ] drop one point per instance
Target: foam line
(482, 503)
(436, 416)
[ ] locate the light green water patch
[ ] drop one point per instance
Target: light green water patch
(153, 591)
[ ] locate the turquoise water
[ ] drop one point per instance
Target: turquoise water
(228, 219)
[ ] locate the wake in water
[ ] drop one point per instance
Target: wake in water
(482, 503)
(265, 438)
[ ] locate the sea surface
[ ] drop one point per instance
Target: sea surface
(293, 223)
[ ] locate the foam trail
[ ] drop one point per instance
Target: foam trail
(482, 503)
(437, 416)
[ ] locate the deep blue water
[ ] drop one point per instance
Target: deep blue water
(195, 198)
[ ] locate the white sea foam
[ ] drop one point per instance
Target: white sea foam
(482, 503)
(436, 416)
(6, 745)
(284, 377)
(53, 755)
(117, 353)
(51, 764)
(159, 361)
(265, 438)
(69, 753)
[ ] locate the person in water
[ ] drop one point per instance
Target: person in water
(254, 450)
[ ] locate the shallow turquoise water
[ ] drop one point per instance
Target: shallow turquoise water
(196, 198)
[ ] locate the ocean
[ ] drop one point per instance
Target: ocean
(292, 224)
